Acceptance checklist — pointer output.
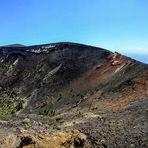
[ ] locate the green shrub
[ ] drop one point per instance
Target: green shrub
(13, 111)
(46, 112)
(93, 108)
(20, 105)
(13, 94)
(10, 102)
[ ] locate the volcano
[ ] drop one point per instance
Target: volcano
(68, 86)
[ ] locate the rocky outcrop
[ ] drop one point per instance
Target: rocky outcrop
(31, 139)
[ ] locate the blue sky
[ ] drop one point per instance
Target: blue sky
(118, 25)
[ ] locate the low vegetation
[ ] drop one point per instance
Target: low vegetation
(45, 112)
(10, 102)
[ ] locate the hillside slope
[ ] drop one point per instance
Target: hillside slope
(74, 83)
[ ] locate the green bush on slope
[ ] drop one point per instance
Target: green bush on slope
(10, 102)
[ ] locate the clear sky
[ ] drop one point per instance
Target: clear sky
(118, 25)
